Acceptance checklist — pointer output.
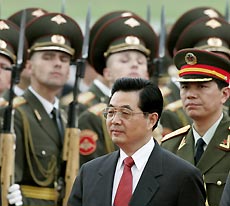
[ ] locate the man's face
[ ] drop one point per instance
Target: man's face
(203, 99)
(5, 75)
(129, 134)
(49, 69)
(126, 64)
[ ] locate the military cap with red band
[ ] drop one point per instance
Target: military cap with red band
(197, 65)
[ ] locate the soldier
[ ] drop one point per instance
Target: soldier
(9, 36)
(173, 116)
(54, 40)
(204, 80)
(24, 82)
(121, 45)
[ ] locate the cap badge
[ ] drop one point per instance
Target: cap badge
(213, 24)
(58, 39)
(213, 41)
(3, 25)
(3, 44)
(38, 13)
(58, 19)
(211, 13)
(190, 59)
(132, 40)
(132, 22)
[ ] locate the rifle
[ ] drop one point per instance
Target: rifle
(72, 133)
(159, 68)
(63, 6)
(8, 136)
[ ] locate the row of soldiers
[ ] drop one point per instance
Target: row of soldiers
(121, 44)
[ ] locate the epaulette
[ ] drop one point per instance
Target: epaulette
(19, 100)
(165, 91)
(86, 97)
(3, 102)
(83, 98)
(97, 108)
(176, 133)
(174, 106)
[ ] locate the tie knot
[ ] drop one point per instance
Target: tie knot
(200, 142)
(128, 161)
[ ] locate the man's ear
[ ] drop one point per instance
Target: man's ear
(152, 119)
(225, 94)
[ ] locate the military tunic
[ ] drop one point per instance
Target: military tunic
(215, 161)
(38, 156)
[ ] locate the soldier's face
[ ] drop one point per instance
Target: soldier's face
(126, 64)
(5, 75)
(203, 100)
(49, 69)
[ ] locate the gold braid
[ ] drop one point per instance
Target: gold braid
(49, 174)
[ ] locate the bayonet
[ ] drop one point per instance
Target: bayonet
(227, 15)
(63, 4)
(162, 34)
(148, 14)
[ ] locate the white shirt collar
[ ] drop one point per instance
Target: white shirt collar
(209, 133)
(140, 157)
(46, 104)
(104, 89)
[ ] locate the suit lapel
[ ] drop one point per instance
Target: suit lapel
(148, 184)
(104, 180)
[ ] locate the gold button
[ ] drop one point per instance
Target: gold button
(43, 152)
(219, 183)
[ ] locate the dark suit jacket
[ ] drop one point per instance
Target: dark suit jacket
(166, 180)
(225, 199)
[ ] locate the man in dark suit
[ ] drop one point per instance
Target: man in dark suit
(225, 199)
(158, 176)
(204, 78)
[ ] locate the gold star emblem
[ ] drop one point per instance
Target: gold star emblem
(132, 22)
(211, 13)
(38, 13)
(3, 25)
(58, 19)
(213, 24)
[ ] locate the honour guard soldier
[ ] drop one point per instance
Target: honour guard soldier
(204, 78)
(54, 40)
(121, 45)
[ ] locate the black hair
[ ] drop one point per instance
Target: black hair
(150, 97)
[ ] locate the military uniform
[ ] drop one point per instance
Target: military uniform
(114, 32)
(202, 66)
(39, 167)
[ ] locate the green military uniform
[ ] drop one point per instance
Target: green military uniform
(114, 32)
(202, 66)
(38, 164)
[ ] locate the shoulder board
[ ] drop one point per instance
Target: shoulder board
(86, 97)
(165, 91)
(97, 108)
(173, 106)
(176, 133)
(3, 102)
(65, 100)
(19, 100)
